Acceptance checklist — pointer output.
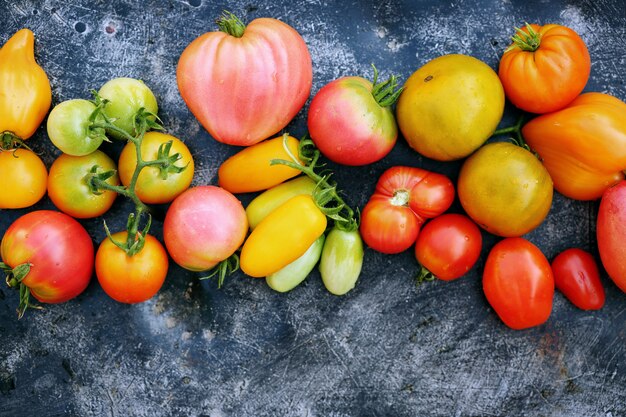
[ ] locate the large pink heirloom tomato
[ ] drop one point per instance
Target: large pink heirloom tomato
(204, 226)
(245, 83)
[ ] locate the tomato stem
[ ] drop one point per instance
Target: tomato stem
(227, 267)
(14, 278)
(231, 24)
(424, 275)
(526, 41)
(385, 93)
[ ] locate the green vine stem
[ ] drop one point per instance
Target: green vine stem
(423, 276)
(516, 130)
(8, 141)
(231, 24)
(386, 93)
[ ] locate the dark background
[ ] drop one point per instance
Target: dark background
(388, 348)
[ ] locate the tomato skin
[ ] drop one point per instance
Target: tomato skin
(449, 246)
(214, 80)
(24, 177)
(347, 124)
(68, 189)
(249, 170)
(151, 187)
(611, 233)
(505, 189)
(583, 146)
(25, 93)
(203, 226)
(576, 275)
(282, 237)
(547, 79)
(341, 260)
(68, 128)
(518, 283)
(59, 249)
(290, 276)
(131, 279)
(388, 228)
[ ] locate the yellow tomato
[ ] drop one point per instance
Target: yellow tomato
(450, 106)
(24, 178)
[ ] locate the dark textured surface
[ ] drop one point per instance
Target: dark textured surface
(385, 349)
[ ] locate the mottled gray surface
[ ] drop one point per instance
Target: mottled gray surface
(385, 349)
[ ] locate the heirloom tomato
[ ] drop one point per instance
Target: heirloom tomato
(611, 233)
(576, 275)
(47, 254)
(290, 276)
(69, 127)
(545, 68)
(245, 83)
(505, 189)
(518, 283)
(131, 279)
(341, 260)
(24, 176)
(403, 199)
(204, 226)
(450, 106)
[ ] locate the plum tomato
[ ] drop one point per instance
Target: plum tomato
(341, 260)
(24, 176)
(576, 275)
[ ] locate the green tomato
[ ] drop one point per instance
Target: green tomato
(293, 274)
(126, 96)
(69, 128)
(341, 261)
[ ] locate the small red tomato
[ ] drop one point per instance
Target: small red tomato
(611, 232)
(449, 246)
(518, 283)
(576, 275)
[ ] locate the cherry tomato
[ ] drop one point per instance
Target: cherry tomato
(576, 275)
(518, 283)
(131, 279)
(611, 233)
(156, 184)
(68, 184)
(69, 128)
(24, 178)
(449, 246)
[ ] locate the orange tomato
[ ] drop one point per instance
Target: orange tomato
(24, 177)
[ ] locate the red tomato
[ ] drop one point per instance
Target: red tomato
(204, 226)
(518, 283)
(611, 233)
(404, 198)
(449, 246)
(131, 279)
(59, 251)
(245, 83)
(576, 275)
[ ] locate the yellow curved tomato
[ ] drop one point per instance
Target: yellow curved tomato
(282, 237)
(505, 189)
(24, 178)
(450, 106)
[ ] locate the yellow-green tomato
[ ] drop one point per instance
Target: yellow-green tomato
(282, 237)
(293, 274)
(450, 106)
(341, 261)
(269, 200)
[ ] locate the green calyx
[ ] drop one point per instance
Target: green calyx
(386, 93)
(526, 41)
(231, 24)
(9, 141)
(14, 278)
(166, 162)
(424, 275)
(227, 267)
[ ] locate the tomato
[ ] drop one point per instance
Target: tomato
(24, 176)
(450, 106)
(25, 93)
(58, 251)
(204, 226)
(545, 68)
(583, 146)
(611, 233)
(69, 128)
(126, 96)
(282, 237)
(245, 83)
(576, 275)
(505, 189)
(249, 170)
(131, 279)
(69, 189)
(351, 120)
(404, 198)
(449, 246)
(518, 283)
(341, 261)
(290, 276)
(269, 200)
(157, 184)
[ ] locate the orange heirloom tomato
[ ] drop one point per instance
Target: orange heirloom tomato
(25, 93)
(545, 68)
(24, 177)
(583, 146)
(250, 169)
(282, 237)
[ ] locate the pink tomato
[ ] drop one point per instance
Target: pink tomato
(611, 232)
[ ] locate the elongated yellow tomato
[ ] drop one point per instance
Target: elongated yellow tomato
(282, 237)
(249, 170)
(25, 93)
